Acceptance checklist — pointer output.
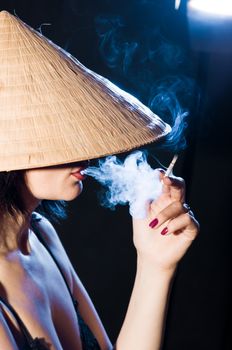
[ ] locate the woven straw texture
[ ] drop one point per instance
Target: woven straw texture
(53, 110)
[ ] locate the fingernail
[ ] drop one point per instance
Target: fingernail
(164, 231)
(161, 170)
(187, 207)
(153, 223)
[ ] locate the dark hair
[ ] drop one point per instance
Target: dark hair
(11, 200)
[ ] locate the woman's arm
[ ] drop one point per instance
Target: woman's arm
(157, 259)
(144, 322)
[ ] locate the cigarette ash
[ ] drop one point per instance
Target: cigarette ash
(131, 182)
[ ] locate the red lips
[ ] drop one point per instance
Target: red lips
(77, 171)
(80, 166)
(79, 176)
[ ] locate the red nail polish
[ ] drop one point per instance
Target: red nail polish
(164, 231)
(153, 223)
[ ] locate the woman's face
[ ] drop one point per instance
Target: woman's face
(55, 182)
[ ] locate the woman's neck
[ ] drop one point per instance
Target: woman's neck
(14, 233)
(14, 229)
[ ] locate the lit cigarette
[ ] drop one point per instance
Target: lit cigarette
(177, 4)
(171, 166)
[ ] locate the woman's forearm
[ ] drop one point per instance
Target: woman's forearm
(144, 322)
(161, 239)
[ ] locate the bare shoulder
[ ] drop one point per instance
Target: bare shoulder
(51, 237)
(47, 231)
(86, 306)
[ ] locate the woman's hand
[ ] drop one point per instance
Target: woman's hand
(172, 227)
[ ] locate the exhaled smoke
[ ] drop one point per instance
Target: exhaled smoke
(131, 182)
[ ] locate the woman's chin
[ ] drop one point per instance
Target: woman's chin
(75, 192)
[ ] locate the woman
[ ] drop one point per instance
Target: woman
(34, 287)
(43, 304)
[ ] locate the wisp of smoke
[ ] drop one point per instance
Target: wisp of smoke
(151, 66)
(131, 182)
(165, 103)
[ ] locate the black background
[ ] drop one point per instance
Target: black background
(99, 241)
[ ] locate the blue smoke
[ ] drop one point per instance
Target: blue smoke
(151, 68)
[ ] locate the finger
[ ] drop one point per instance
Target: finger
(166, 185)
(171, 211)
(161, 173)
(184, 223)
(175, 187)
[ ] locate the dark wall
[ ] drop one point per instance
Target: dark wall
(99, 241)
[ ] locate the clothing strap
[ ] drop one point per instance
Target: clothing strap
(31, 342)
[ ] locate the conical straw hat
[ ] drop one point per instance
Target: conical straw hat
(53, 110)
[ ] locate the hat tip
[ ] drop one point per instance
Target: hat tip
(4, 13)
